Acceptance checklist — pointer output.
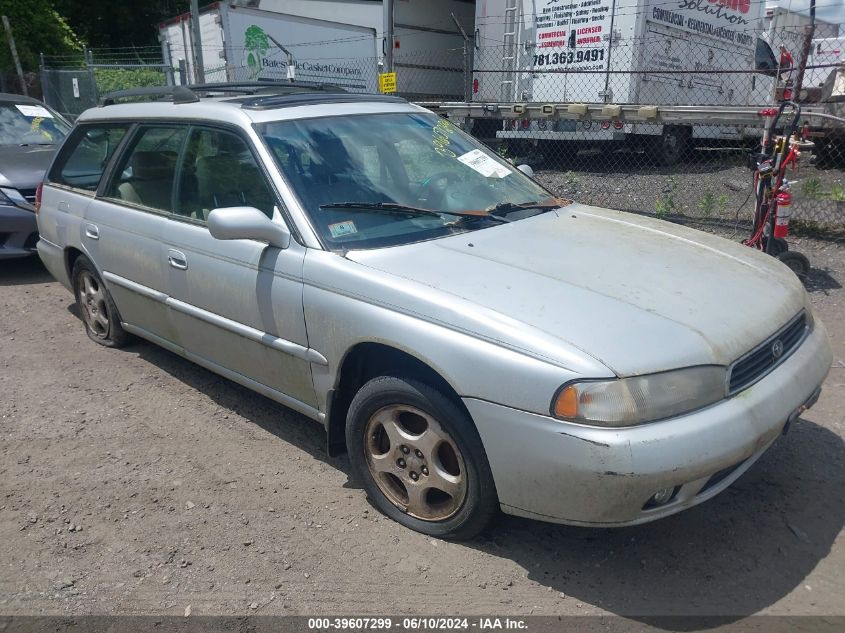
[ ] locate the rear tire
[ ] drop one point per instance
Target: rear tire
(420, 458)
(98, 312)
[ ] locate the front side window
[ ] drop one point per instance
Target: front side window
(84, 156)
(30, 124)
(340, 167)
(219, 170)
(147, 169)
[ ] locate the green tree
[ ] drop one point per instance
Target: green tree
(120, 23)
(37, 28)
(256, 39)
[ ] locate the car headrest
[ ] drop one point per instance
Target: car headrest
(154, 165)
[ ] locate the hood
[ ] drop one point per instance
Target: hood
(637, 294)
(23, 166)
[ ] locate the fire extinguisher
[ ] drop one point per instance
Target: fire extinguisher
(783, 210)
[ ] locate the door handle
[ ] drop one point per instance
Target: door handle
(92, 231)
(177, 259)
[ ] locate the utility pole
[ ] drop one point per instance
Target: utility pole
(809, 32)
(388, 35)
(197, 41)
(15, 57)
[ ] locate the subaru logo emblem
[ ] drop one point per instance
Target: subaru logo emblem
(777, 349)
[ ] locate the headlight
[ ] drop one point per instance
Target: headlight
(630, 401)
(9, 196)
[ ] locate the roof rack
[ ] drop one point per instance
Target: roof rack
(267, 102)
(192, 93)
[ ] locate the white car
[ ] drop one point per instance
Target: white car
(474, 342)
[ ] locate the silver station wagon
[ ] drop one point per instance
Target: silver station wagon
(473, 342)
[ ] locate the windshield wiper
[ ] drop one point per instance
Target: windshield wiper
(510, 207)
(394, 207)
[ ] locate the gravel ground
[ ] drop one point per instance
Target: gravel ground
(713, 185)
(132, 481)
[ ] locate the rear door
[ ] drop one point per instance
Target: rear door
(73, 181)
(125, 223)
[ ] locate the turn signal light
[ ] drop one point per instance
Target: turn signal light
(566, 404)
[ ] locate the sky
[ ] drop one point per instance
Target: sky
(828, 10)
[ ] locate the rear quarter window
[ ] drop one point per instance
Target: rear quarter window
(85, 154)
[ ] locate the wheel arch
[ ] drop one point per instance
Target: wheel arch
(365, 361)
(71, 255)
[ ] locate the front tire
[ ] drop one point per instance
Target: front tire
(420, 458)
(98, 312)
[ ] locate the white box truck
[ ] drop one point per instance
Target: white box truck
(827, 53)
(585, 51)
(782, 27)
(332, 41)
(243, 44)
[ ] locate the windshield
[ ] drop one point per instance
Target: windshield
(30, 124)
(411, 163)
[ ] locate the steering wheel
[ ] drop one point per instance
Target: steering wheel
(433, 188)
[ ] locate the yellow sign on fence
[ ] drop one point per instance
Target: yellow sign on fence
(387, 82)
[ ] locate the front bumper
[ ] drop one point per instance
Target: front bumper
(569, 473)
(18, 232)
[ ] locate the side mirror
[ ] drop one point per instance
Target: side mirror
(526, 169)
(247, 223)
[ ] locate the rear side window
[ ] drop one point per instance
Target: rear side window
(147, 169)
(84, 156)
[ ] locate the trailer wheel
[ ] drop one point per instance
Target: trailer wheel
(797, 263)
(672, 145)
(485, 128)
(779, 246)
(828, 152)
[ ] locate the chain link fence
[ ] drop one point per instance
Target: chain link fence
(661, 123)
(679, 160)
(686, 157)
(73, 83)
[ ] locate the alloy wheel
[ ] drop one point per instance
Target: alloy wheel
(415, 463)
(92, 300)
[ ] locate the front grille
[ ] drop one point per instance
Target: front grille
(29, 194)
(761, 360)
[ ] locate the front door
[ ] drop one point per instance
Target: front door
(236, 304)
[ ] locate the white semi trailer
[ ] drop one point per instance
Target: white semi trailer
(622, 51)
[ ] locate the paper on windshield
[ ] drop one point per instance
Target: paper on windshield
(340, 229)
(33, 111)
(483, 164)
